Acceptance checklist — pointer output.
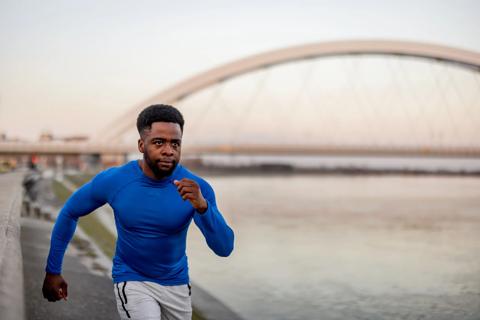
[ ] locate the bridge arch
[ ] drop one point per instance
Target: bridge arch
(460, 57)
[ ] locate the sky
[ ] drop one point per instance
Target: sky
(73, 67)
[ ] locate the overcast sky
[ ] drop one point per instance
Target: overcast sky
(71, 67)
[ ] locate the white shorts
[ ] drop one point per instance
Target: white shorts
(149, 300)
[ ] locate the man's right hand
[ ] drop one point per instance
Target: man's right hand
(54, 287)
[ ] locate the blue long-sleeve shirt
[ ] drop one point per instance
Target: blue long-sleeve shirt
(151, 219)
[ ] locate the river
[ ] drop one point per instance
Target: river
(346, 247)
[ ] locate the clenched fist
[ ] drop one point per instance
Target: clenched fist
(190, 190)
(54, 287)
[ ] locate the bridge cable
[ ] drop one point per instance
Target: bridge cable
(463, 101)
(238, 125)
(403, 101)
(419, 103)
(446, 104)
(207, 107)
(360, 101)
(307, 74)
(317, 107)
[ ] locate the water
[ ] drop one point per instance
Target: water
(333, 247)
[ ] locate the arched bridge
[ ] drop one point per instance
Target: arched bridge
(104, 141)
(177, 92)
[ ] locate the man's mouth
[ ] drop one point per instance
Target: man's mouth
(165, 162)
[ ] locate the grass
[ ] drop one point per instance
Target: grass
(92, 226)
(89, 223)
(79, 179)
(197, 316)
(61, 192)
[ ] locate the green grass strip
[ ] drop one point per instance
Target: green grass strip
(79, 179)
(90, 223)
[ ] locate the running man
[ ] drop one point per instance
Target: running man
(154, 201)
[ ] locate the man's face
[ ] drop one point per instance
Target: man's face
(161, 147)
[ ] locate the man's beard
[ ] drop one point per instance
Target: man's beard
(159, 173)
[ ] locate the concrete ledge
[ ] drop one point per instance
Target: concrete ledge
(12, 304)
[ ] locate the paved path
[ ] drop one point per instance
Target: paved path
(90, 296)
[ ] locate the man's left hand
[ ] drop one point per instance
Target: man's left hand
(190, 190)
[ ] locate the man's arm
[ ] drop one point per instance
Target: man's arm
(81, 202)
(217, 233)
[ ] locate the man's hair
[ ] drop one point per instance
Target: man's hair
(158, 113)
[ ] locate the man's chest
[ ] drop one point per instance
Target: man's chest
(161, 209)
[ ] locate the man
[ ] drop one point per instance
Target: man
(154, 201)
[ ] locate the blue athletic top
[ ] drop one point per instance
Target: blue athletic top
(152, 221)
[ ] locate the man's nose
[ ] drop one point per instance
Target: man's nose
(167, 149)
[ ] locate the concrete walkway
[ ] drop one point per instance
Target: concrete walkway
(90, 296)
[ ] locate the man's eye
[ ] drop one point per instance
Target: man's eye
(175, 144)
(158, 142)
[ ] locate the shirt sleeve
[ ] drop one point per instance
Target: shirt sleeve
(219, 236)
(82, 202)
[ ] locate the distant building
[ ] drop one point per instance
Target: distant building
(5, 138)
(78, 138)
(47, 136)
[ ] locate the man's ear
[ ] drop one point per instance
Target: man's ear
(141, 145)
